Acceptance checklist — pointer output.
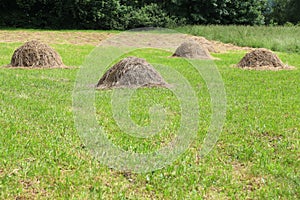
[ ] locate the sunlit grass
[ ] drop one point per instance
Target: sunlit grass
(256, 156)
(277, 38)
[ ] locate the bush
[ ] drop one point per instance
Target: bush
(149, 16)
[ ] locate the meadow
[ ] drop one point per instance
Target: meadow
(256, 156)
(276, 38)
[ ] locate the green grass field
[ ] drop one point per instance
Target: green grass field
(277, 38)
(256, 156)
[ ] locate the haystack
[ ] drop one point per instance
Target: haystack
(131, 72)
(262, 59)
(36, 54)
(192, 49)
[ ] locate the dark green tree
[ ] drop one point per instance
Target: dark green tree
(121, 14)
(282, 11)
(293, 11)
(219, 11)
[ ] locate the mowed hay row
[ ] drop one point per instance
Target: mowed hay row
(34, 54)
(131, 72)
(218, 47)
(262, 59)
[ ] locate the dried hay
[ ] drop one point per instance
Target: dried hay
(192, 49)
(218, 47)
(205, 43)
(34, 54)
(131, 72)
(262, 59)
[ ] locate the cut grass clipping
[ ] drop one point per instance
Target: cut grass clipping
(34, 54)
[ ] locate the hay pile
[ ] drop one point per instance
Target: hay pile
(34, 54)
(262, 59)
(131, 72)
(192, 49)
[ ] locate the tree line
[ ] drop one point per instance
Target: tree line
(122, 14)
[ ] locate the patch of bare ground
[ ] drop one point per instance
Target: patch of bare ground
(241, 173)
(1, 172)
(31, 189)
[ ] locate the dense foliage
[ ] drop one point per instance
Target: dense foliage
(121, 14)
(283, 11)
(82, 14)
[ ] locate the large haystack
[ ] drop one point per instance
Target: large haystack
(36, 54)
(192, 49)
(131, 72)
(262, 59)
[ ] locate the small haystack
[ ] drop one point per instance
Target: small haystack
(192, 49)
(262, 59)
(35, 54)
(131, 72)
